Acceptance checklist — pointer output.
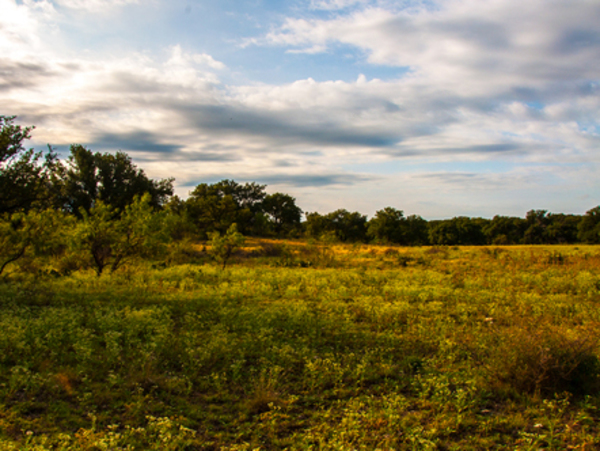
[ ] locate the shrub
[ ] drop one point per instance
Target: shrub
(546, 360)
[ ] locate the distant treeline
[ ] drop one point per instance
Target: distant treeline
(88, 180)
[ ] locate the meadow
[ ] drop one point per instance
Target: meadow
(307, 346)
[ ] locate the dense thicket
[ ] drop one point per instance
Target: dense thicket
(106, 210)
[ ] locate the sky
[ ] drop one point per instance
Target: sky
(437, 108)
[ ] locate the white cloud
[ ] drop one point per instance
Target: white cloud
(487, 87)
(94, 5)
(335, 4)
(466, 45)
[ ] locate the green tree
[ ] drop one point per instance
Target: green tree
(110, 239)
(342, 224)
(562, 228)
(112, 179)
(223, 246)
(417, 230)
(27, 178)
(460, 230)
(282, 211)
(589, 227)
(35, 232)
(388, 226)
(504, 230)
(537, 223)
(217, 206)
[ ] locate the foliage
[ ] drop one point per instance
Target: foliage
(110, 239)
(388, 226)
(377, 348)
(460, 230)
(34, 233)
(222, 247)
(216, 207)
(283, 213)
(27, 178)
(342, 224)
(111, 179)
(504, 230)
(589, 227)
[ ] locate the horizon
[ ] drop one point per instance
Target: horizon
(437, 108)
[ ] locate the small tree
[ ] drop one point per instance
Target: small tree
(35, 232)
(111, 241)
(222, 247)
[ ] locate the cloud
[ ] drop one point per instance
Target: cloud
(22, 74)
(94, 5)
(134, 141)
(464, 41)
(315, 180)
(482, 86)
(283, 128)
(335, 4)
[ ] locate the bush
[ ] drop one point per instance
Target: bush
(546, 360)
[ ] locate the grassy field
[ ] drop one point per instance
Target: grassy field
(309, 347)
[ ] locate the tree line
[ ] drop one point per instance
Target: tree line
(104, 205)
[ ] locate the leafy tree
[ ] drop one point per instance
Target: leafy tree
(562, 228)
(37, 232)
(344, 225)
(111, 239)
(537, 222)
(457, 231)
(589, 227)
(388, 226)
(315, 225)
(417, 230)
(222, 247)
(282, 211)
(177, 221)
(27, 178)
(504, 230)
(112, 179)
(216, 207)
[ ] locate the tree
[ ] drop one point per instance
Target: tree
(112, 179)
(111, 239)
(589, 227)
(222, 247)
(562, 228)
(537, 222)
(460, 230)
(216, 207)
(35, 231)
(27, 178)
(417, 230)
(504, 230)
(282, 212)
(388, 226)
(342, 224)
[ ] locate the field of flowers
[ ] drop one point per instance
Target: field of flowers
(308, 346)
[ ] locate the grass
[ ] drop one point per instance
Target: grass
(303, 346)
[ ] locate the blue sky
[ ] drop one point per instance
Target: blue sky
(437, 108)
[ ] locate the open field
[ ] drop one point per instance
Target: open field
(304, 346)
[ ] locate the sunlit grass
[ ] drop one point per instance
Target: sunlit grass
(308, 346)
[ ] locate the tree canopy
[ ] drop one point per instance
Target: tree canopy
(26, 177)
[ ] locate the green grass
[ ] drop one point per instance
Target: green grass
(298, 346)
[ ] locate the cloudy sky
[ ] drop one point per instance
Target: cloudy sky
(438, 108)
